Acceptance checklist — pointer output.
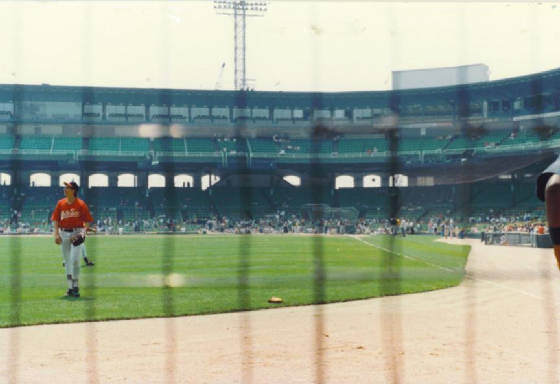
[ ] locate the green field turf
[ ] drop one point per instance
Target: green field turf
(210, 274)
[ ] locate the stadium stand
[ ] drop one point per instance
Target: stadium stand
(362, 145)
(104, 144)
(62, 143)
(229, 202)
(36, 143)
(441, 128)
(132, 208)
(196, 145)
(525, 137)
(421, 144)
(490, 140)
(264, 145)
(134, 144)
(169, 144)
(7, 142)
(232, 145)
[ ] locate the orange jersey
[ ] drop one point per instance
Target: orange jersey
(71, 215)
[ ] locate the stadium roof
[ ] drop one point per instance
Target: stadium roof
(542, 82)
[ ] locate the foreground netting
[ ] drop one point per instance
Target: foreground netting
(450, 162)
(475, 195)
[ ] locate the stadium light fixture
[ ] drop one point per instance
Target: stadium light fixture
(240, 10)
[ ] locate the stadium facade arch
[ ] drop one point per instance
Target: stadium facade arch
(40, 179)
(128, 180)
(68, 177)
(5, 179)
(98, 180)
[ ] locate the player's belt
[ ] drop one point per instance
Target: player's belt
(68, 229)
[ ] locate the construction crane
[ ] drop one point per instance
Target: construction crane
(240, 10)
(220, 76)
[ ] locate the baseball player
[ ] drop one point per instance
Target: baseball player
(548, 190)
(71, 219)
(88, 262)
(84, 256)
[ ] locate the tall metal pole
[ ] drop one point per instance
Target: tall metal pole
(239, 30)
(240, 9)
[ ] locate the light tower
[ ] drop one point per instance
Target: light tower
(240, 9)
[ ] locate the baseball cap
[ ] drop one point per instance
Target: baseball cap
(72, 185)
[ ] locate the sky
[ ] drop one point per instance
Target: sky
(296, 46)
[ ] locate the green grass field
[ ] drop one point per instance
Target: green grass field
(143, 276)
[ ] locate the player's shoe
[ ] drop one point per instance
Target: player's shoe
(73, 292)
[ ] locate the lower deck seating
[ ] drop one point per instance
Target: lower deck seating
(6, 142)
(106, 144)
(169, 144)
(196, 145)
(132, 205)
(63, 143)
(39, 143)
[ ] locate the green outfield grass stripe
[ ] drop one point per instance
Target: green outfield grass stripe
(403, 255)
(127, 280)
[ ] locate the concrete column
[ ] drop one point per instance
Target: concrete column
(142, 179)
(358, 181)
(21, 177)
(384, 180)
(515, 179)
(197, 180)
(84, 179)
(55, 176)
(113, 179)
(331, 181)
(169, 179)
(305, 180)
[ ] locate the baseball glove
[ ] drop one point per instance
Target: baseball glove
(77, 239)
